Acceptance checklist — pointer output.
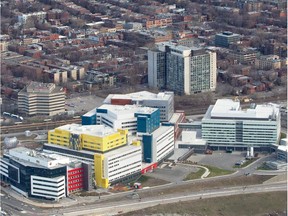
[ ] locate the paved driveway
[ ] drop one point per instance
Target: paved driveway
(219, 159)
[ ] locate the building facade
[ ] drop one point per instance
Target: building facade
(226, 38)
(164, 101)
(116, 166)
(97, 138)
(133, 118)
(268, 62)
(157, 64)
(158, 145)
(41, 99)
(226, 126)
(43, 175)
(185, 70)
(245, 56)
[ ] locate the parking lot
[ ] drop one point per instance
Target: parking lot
(219, 159)
(83, 103)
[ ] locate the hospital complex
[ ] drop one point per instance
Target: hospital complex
(127, 136)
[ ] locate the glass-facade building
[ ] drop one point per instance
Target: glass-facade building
(187, 70)
(225, 125)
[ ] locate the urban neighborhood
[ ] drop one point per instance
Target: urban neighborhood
(127, 107)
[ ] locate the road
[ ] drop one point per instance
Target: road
(103, 207)
(131, 205)
(119, 201)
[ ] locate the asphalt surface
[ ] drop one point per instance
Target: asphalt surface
(120, 206)
(86, 205)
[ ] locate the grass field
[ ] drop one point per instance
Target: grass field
(264, 167)
(215, 171)
(272, 203)
(206, 185)
(195, 175)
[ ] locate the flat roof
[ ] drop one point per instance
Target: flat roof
(23, 154)
(161, 130)
(90, 113)
(228, 34)
(230, 109)
(119, 110)
(121, 150)
(283, 148)
(175, 117)
(93, 130)
(140, 96)
(174, 46)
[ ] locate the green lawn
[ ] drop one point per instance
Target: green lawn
(283, 135)
(271, 203)
(195, 175)
(264, 167)
(215, 171)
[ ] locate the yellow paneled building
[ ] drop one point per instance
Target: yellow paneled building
(114, 166)
(97, 138)
(114, 158)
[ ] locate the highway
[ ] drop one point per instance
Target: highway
(115, 203)
(131, 205)
(106, 207)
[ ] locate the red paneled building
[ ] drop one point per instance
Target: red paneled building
(75, 179)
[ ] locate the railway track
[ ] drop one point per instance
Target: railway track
(36, 126)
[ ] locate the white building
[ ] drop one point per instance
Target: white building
(226, 125)
(184, 70)
(124, 117)
(53, 188)
(158, 145)
(22, 18)
(282, 153)
(114, 166)
(164, 101)
(41, 99)
(36, 174)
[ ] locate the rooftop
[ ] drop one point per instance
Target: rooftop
(90, 113)
(40, 87)
(283, 148)
(230, 109)
(93, 130)
(120, 112)
(34, 158)
(140, 96)
(161, 130)
(228, 34)
(121, 151)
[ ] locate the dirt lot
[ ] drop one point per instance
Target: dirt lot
(274, 203)
(174, 174)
